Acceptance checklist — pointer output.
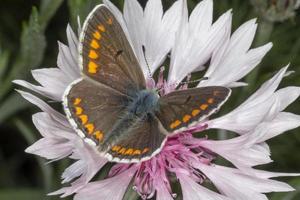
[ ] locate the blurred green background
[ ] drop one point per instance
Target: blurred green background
(29, 31)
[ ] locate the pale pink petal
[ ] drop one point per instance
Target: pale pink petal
(240, 151)
(241, 186)
(88, 164)
(282, 122)
(160, 31)
(43, 106)
(134, 19)
(58, 141)
(66, 62)
(266, 174)
(233, 59)
(194, 191)
(196, 40)
(108, 189)
(252, 112)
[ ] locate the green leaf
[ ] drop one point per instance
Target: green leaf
(11, 105)
(47, 10)
(33, 44)
(131, 194)
(4, 58)
(21, 194)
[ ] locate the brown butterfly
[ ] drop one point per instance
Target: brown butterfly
(110, 106)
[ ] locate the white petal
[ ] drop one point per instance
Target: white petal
(162, 192)
(51, 128)
(241, 186)
(133, 15)
(241, 151)
(53, 82)
(250, 113)
(282, 122)
(43, 106)
(232, 61)
(73, 171)
(58, 139)
(194, 46)
(88, 164)
(287, 96)
(108, 189)
(73, 42)
(66, 62)
(50, 149)
(267, 89)
(160, 31)
(194, 191)
(266, 174)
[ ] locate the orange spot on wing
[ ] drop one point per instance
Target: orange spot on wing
(186, 118)
(129, 151)
(99, 135)
(77, 101)
(83, 118)
(92, 67)
(94, 44)
(90, 128)
(78, 110)
(210, 100)
(101, 28)
(195, 112)
(175, 124)
(203, 106)
(145, 150)
(137, 152)
(97, 35)
(116, 148)
(122, 151)
(93, 54)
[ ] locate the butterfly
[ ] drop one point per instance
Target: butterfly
(110, 106)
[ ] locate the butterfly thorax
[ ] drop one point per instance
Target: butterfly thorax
(145, 102)
(140, 109)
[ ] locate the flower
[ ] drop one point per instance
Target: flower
(193, 41)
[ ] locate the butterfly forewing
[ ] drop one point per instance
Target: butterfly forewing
(184, 108)
(106, 55)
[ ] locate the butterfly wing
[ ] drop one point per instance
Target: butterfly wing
(140, 142)
(184, 108)
(106, 56)
(111, 77)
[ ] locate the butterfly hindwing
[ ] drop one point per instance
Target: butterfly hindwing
(106, 55)
(183, 108)
(141, 142)
(93, 109)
